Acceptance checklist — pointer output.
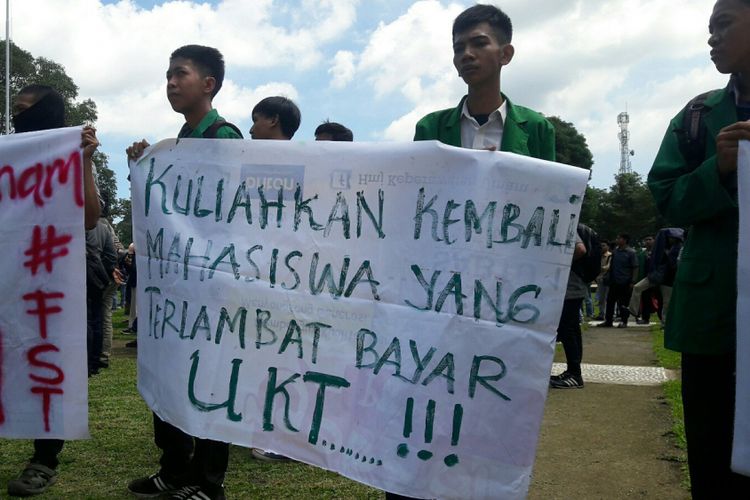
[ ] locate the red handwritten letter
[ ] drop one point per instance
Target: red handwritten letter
(42, 310)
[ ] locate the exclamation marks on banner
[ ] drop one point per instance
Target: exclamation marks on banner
(403, 449)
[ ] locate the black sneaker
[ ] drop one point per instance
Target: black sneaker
(567, 381)
(196, 493)
(34, 479)
(606, 324)
(560, 376)
(152, 486)
(622, 324)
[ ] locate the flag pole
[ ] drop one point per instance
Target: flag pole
(7, 67)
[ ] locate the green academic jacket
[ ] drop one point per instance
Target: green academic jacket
(525, 131)
(701, 317)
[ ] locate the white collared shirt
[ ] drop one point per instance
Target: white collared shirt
(475, 136)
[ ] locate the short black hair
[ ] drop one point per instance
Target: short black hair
(208, 60)
(283, 107)
(479, 13)
(624, 236)
(337, 131)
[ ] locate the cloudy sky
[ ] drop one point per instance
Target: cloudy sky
(379, 65)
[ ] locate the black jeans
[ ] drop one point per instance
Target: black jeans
(708, 383)
(208, 464)
(619, 294)
(569, 333)
(94, 332)
(46, 451)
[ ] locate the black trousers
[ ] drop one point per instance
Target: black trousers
(206, 467)
(708, 384)
(619, 294)
(94, 332)
(569, 333)
(46, 451)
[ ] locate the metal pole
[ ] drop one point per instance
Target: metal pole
(7, 67)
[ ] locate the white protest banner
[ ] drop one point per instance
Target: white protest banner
(741, 444)
(386, 311)
(43, 379)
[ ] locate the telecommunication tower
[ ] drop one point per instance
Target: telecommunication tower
(624, 136)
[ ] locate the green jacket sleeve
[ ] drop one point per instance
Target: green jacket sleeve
(547, 142)
(427, 128)
(684, 196)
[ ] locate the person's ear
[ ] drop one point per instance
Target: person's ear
(507, 54)
(209, 84)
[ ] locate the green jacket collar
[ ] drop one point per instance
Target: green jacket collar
(515, 137)
(205, 122)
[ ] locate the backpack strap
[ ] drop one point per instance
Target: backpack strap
(210, 132)
(692, 135)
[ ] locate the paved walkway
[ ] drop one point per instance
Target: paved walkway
(622, 374)
(612, 439)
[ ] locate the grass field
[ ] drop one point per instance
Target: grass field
(121, 448)
(673, 393)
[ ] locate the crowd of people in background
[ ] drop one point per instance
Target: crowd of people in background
(642, 277)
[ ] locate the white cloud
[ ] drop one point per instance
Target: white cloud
(416, 46)
(148, 112)
(108, 48)
(118, 53)
(382, 65)
(582, 61)
(342, 70)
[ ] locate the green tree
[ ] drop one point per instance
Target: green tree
(26, 69)
(107, 182)
(124, 227)
(594, 208)
(571, 148)
(570, 145)
(629, 208)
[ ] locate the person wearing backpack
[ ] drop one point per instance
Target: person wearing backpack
(569, 326)
(192, 468)
(694, 183)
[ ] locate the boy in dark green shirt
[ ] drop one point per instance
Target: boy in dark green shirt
(191, 467)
